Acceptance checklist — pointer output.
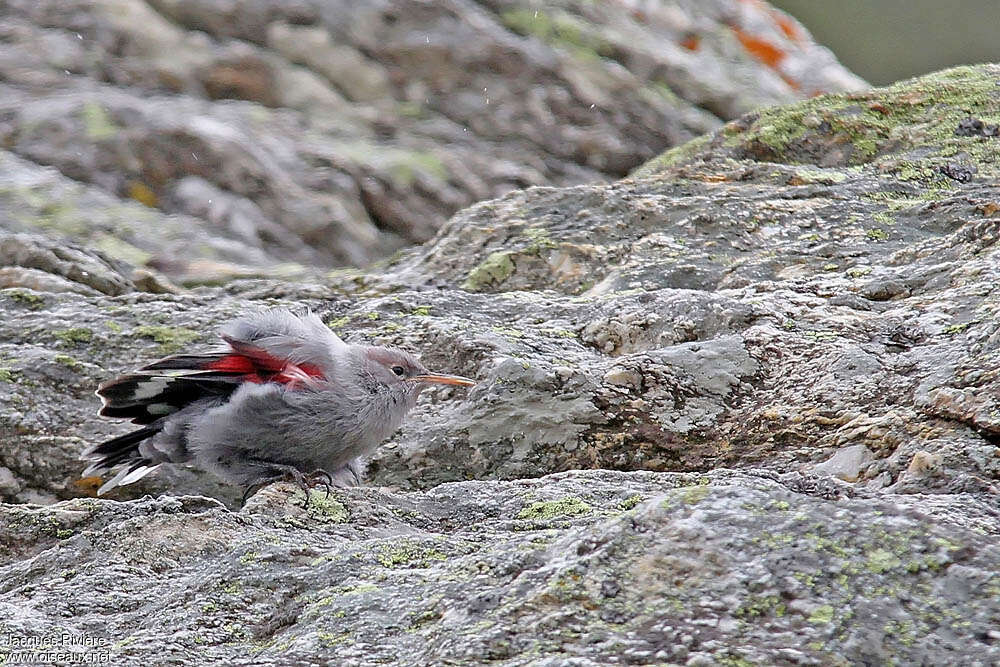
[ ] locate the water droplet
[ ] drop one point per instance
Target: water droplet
(79, 36)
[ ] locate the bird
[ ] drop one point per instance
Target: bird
(284, 398)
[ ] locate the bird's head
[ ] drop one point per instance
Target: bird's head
(391, 366)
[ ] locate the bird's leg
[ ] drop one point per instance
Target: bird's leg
(320, 476)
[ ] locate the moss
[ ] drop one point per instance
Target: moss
(492, 272)
(675, 156)
(171, 339)
(907, 129)
(25, 298)
(114, 326)
(551, 509)
(877, 235)
(821, 615)
(74, 335)
(421, 311)
(338, 322)
(68, 362)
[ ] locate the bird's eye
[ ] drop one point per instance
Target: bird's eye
(399, 370)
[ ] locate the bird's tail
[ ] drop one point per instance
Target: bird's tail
(121, 451)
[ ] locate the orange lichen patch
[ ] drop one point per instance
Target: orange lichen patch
(142, 194)
(788, 26)
(691, 42)
(709, 178)
(88, 485)
(988, 209)
(792, 83)
(761, 49)
(881, 108)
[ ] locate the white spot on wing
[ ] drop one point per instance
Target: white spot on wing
(154, 386)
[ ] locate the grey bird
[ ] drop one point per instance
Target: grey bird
(285, 399)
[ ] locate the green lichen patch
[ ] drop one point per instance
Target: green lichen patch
(906, 130)
(821, 615)
(322, 508)
(123, 250)
(554, 509)
(68, 361)
(630, 502)
(407, 555)
(882, 560)
(336, 323)
(405, 166)
(26, 298)
(74, 335)
(493, 271)
(171, 339)
(96, 122)
(561, 30)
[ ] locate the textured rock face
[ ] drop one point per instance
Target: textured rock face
(583, 568)
(209, 139)
(773, 351)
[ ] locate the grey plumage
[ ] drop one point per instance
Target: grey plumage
(285, 399)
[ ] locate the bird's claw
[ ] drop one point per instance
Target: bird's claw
(307, 482)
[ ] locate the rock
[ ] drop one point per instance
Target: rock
(847, 464)
(41, 264)
(586, 566)
(660, 361)
(694, 348)
(327, 134)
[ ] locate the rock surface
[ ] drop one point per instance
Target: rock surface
(208, 139)
(581, 568)
(805, 296)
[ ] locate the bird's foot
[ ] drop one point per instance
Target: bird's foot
(307, 481)
(291, 474)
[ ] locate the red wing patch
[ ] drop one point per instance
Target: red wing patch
(256, 365)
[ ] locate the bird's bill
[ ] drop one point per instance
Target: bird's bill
(438, 378)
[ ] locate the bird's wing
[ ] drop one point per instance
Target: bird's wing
(270, 347)
(280, 334)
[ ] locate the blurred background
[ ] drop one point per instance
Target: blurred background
(191, 142)
(888, 40)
